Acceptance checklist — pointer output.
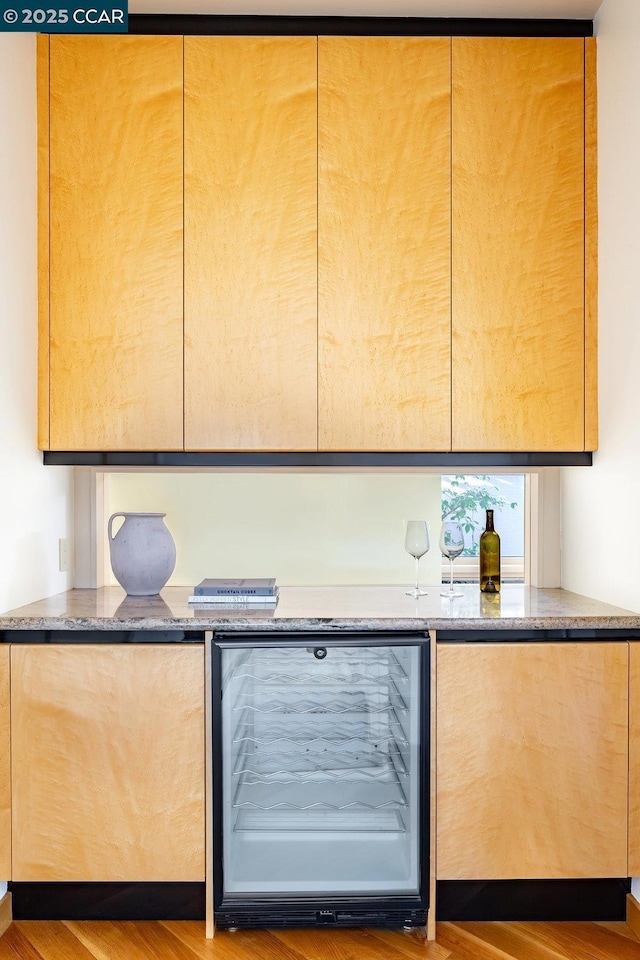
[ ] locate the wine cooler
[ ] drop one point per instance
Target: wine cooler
(320, 779)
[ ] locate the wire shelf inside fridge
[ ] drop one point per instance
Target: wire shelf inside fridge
(390, 672)
(321, 796)
(360, 701)
(304, 734)
(320, 821)
(360, 758)
(292, 659)
(382, 772)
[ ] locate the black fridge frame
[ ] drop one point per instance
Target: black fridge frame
(345, 911)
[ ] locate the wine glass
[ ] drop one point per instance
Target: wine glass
(416, 542)
(451, 546)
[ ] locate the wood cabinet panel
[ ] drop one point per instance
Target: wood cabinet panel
(250, 243)
(532, 760)
(116, 315)
(518, 248)
(5, 764)
(108, 763)
(384, 243)
(42, 87)
(591, 245)
(634, 760)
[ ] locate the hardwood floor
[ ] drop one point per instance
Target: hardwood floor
(180, 940)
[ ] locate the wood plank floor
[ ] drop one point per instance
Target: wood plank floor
(180, 940)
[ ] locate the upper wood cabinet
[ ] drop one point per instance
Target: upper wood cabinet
(108, 764)
(521, 338)
(250, 243)
(384, 228)
(389, 244)
(532, 760)
(111, 243)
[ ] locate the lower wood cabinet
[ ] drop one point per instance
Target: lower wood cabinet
(532, 760)
(634, 760)
(107, 764)
(105, 778)
(5, 765)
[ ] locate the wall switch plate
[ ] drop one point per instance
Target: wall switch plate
(64, 556)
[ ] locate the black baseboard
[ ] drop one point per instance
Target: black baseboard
(532, 899)
(108, 901)
(455, 900)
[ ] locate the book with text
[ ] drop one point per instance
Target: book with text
(256, 587)
(233, 598)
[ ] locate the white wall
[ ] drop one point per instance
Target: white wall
(600, 505)
(302, 528)
(35, 501)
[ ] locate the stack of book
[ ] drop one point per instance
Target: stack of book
(257, 591)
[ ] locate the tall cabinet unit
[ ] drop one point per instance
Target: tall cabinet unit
(250, 243)
(111, 242)
(384, 248)
(519, 346)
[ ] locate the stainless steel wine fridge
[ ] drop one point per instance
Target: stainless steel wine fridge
(320, 779)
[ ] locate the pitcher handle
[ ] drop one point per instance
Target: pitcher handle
(110, 524)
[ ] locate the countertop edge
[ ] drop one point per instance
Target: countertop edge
(294, 624)
(340, 609)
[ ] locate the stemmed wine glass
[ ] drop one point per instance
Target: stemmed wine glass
(451, 546)
(416, 542)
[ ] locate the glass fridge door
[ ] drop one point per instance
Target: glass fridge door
(321, 778)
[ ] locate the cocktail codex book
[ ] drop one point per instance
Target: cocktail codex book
(256, 591)
(228, 588)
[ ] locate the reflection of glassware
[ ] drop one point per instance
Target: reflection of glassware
(416, 542)
(451, 546)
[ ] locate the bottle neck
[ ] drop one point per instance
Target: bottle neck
(489, 520)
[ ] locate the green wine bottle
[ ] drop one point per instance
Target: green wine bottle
(490, 558)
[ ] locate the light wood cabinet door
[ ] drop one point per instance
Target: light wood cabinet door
(532, 760)
(114, 243)
(5, 764)
(108, 762)
(384, 243)
(634, 760)
(518, 244)
(250, 243)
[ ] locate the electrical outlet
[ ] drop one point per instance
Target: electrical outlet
(64, 556)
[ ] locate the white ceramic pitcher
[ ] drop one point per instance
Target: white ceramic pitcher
(143, 553)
